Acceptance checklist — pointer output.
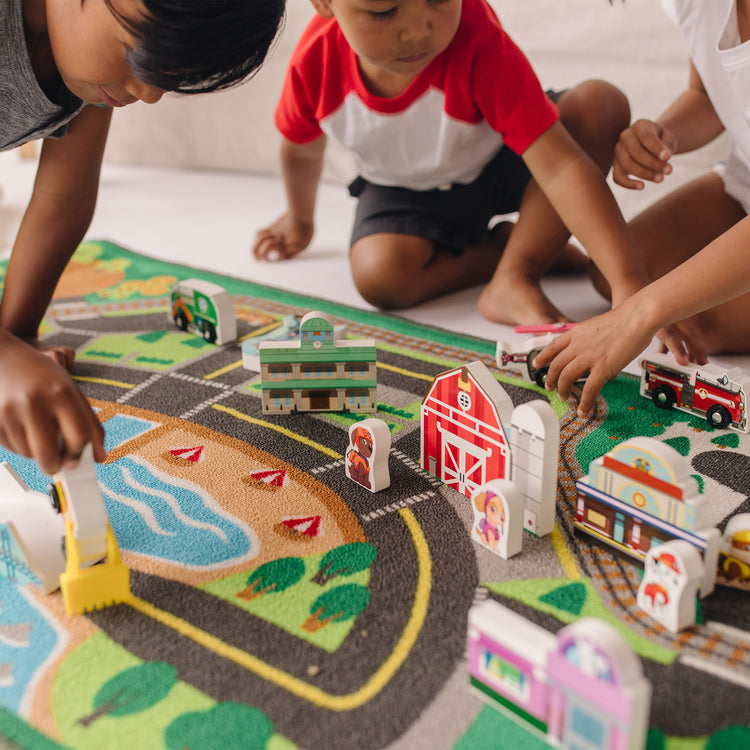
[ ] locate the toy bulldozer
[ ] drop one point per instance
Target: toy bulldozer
(87, 583)
(100, 585)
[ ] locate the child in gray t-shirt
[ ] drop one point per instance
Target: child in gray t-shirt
(57, 57)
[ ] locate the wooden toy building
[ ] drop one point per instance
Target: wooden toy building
(318, 373)
(463, 440)
(641, 494)
(582, 688)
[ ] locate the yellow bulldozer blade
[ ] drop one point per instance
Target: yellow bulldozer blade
(101, 585)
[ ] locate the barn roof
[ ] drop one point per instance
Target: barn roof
(484, 379)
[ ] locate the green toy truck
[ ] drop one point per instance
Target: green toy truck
(204, 308)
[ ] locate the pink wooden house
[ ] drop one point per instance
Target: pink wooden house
(582, 688)
(464, 443)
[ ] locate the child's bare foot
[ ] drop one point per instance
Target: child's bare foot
(516, 300)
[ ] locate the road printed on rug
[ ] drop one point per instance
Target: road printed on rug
(204, 491)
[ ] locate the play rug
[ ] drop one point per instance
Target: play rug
(276, 603)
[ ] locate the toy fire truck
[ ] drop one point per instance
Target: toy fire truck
(713, 392)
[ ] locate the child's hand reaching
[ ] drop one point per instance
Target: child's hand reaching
(604, 345)
(284, 239)
(43, 414)
(643, 151)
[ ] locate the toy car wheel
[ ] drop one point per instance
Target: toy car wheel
(180, 320)
(54, 498)
(664, 397)
(541, 377)
(209, 332)
(719, 416)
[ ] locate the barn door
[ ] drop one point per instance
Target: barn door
(464, 464)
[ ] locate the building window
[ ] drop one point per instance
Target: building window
(358, 399)
(279, 372)
(357, 370)
(596, 519)
(586, 727)
(501, 672)
(281, 400)
(319, 371)
(317, 336)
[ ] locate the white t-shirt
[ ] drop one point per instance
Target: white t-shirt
(711, 32)
(479, 94)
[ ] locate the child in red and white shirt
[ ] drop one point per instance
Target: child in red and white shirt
(449, 127)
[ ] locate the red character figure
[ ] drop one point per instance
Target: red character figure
(358, 457)
(367, 454)
(671, 578)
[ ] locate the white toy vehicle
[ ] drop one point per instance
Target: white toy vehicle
(36, 528)
(518, 358)
(89, 541)
(203, 308)
(68, 544)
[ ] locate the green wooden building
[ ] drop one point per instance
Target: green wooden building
(318, 373)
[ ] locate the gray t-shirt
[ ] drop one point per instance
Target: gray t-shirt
(26, 113)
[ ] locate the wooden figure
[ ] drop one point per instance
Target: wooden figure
(204, 308)
(367, 454)
(713, 392)
(669, 588)
(498, 517)
(463, 440)
(642, 494)
(317, 372)
(734, 558)
(535, 448)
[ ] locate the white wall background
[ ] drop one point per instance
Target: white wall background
(630, 43)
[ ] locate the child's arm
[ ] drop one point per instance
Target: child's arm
(580, 195)
(39, 402)
(290, 234)
(56, 219)
(645, 148)
(605, 344)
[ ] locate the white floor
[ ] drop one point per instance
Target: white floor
(208, 220)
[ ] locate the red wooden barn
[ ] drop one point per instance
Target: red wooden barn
(463, 442)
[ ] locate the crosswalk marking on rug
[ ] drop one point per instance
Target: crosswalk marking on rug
(327, 467)
(397, 506)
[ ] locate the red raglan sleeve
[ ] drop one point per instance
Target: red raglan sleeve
(295, 113)
(505, 88)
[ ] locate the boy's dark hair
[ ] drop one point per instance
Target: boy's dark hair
(196, 46)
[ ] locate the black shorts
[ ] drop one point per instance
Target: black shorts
(452, 218)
